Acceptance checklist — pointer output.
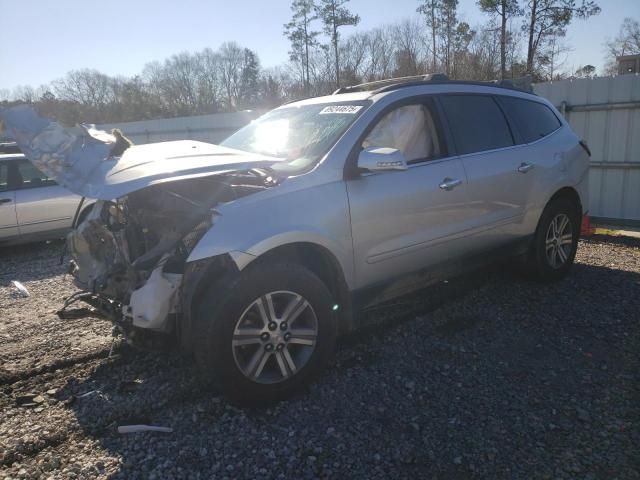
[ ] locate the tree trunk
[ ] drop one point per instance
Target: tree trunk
(503, 41)
(335, 49)
(433, 34)
(306, 56)
(335, 43)
(530, 49)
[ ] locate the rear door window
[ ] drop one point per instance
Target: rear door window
(4, 176)
(476, 122)
(31, 177)
(533, 120)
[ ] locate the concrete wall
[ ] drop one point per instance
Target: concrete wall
(206, 128)
(606, 113)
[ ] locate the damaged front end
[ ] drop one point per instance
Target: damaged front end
(129, 254)
(155, 202)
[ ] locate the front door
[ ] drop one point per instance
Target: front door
(404, 221)
(8, 221)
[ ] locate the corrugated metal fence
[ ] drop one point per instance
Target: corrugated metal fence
(606, 113)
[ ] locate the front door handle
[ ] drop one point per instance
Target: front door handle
(5, 200)
(450, 183)
(525, 167)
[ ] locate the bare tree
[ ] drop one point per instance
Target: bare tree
(231, 60)
(209, 80)
(24, 93)
(353, 52)
(88, 87)
(380, 49)
(408, 42)
(627, 42)
(553, 57)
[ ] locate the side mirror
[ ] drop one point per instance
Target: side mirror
(375, 159)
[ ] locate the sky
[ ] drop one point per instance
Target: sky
(41, 40)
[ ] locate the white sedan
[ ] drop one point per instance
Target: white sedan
(33, 207)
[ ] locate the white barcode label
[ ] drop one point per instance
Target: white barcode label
(351, 109)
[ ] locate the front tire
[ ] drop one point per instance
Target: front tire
(267, 334)
(555, 242)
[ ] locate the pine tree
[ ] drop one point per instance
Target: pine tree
(505, 9)
(334, 15)
(301, 36)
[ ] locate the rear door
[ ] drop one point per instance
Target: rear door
(42, 206)
(404, 221)
(497, 169)
(8, 221)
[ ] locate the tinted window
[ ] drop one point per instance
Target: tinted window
(30, 177)
(533, 120)
(476, 122)
(4, 177)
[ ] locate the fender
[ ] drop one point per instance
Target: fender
(251, 226)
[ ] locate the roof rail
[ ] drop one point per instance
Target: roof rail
(378, 84)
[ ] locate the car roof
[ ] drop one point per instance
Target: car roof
(416, 90)
(436, 83)
(345, 97)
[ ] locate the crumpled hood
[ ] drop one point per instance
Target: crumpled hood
(78, 158)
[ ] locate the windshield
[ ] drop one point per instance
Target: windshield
(299, 134)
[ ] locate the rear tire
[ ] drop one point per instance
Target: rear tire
(555, 241)
(267, 334)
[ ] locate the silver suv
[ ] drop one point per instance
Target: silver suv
(256, 253)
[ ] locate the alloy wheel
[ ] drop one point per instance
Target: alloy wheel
(275, 337)
(559, 240)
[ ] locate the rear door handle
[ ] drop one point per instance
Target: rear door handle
(450, 183)
(525, 167)
(5, 200)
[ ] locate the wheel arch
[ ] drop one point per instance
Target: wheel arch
(223, 270)
(324, 264)
(568, 193)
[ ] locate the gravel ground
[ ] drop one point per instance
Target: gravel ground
(488, 376)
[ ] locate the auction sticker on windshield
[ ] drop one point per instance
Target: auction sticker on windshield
(341, 109)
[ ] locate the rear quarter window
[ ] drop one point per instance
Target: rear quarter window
(532, 119)
(476, 123)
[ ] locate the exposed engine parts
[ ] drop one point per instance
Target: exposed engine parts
(128, 255)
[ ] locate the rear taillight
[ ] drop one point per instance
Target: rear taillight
(584, 145)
